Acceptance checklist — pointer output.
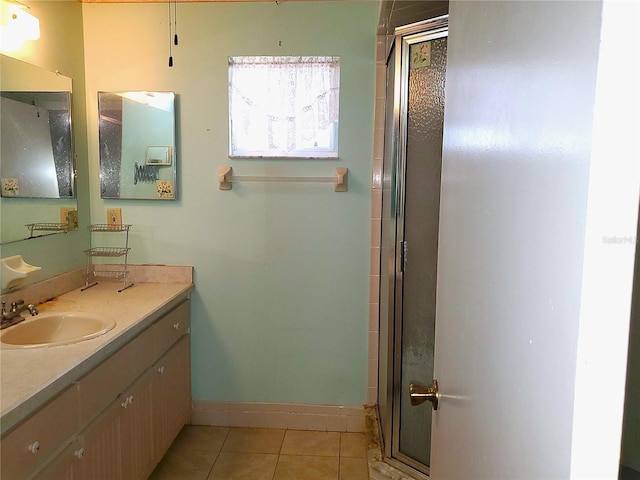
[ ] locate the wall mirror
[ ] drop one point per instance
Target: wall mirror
(36, 153)
(137, 145)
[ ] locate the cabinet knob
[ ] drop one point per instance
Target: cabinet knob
(127, 401)
(176, 325)
(34, 447)
(160, 370)
(79, 453)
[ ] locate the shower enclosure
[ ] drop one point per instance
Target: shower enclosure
(414, 116)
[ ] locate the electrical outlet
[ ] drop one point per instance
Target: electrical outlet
(114, 216)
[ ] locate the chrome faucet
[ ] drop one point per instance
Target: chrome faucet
(13, 316)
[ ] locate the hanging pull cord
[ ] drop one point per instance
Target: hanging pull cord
(170, 32)
(175, 22)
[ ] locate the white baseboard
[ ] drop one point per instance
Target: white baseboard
(290, 416)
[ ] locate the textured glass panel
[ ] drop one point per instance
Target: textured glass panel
(387, 256)
(427, 62)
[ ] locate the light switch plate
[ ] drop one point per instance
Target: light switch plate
(65, 217)
(114, 216)
(72, 217)
(64, 214)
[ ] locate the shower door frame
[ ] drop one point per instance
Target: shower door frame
(398, 52)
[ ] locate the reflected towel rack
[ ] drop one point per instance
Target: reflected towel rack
(226, 178)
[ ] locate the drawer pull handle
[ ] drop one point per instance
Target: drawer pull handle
(161, 370)
(79, 453)
(34, 447)
(125, 404)
(176, 325)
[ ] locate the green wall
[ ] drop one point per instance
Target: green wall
(60, 48)
(280, 312)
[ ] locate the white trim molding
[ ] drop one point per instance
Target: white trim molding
(331, 418)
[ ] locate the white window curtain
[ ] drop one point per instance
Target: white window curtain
(284, 106)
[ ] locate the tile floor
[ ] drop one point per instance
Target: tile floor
(221, 453)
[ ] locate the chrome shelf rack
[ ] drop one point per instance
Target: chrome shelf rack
(47, 227)
(94, 271)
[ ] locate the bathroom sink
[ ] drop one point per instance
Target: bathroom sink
(49, 329)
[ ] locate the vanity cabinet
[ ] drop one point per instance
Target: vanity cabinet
(25, 449)
(119, 444)
(136, 429)
(101, 447)
(108, 381)
(117, 421)
(172, 388)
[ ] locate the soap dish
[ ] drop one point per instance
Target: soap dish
(15, 270)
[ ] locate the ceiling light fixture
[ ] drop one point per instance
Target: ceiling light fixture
(16, 25)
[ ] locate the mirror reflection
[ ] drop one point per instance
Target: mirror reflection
(35, 128)
(36, 152)
(137, 145)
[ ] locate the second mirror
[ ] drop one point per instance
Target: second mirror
(137, 145)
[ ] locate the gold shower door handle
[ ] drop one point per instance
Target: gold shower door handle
(420, 394)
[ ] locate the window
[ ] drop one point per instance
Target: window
(283, 107)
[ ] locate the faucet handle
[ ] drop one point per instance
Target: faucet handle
(16, 304)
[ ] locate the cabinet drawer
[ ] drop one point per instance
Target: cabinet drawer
(103, 384)
(34, 441)
(62, 467)
(171, 327)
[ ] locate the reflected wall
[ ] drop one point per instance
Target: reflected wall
(60, 48)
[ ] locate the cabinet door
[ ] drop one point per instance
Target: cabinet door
(60, 469)
(33, 443)
(136, 429)
(172, 394)
(106, 382)
(100, 459)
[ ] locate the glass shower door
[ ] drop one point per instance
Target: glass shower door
(422, 81)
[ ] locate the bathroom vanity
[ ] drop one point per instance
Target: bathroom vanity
(105, 408)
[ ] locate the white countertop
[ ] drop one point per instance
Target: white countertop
(29, 377)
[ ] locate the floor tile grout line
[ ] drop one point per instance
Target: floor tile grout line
(218, 454)
(275, 470)
(339, 454)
